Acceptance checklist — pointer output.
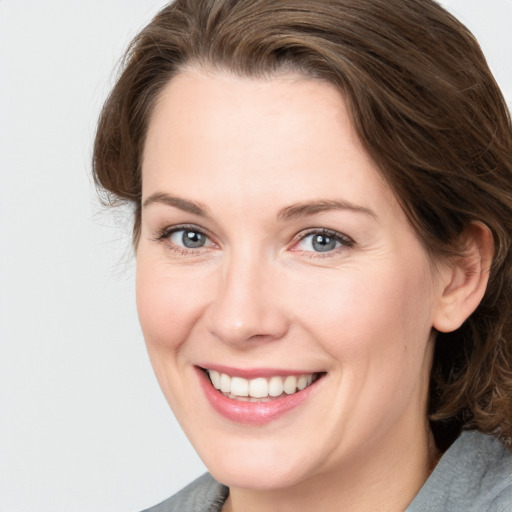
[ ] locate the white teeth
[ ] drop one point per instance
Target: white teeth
(290, 384)
(239, 386)
(215, 378)
(275, 386)
(302, 382)
(225, 383)
(259, 389)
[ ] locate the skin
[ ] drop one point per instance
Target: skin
(258, 295)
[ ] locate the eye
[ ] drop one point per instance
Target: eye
(184, 238)
(322, 241)
(189, 238)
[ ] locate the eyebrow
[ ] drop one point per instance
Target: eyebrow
(306, 209)
(177, 202)
(293, 211)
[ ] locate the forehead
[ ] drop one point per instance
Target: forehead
(222, 104)
(287, 133)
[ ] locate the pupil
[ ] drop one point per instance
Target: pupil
(323, 243)
(193, 239)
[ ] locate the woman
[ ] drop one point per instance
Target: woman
(323, 204)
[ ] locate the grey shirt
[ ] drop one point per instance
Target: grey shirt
(474, 475)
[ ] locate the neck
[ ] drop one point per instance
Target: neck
(382, 478)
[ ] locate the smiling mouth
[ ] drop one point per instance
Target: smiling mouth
(260, 389)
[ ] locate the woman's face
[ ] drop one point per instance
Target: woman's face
(273, 253)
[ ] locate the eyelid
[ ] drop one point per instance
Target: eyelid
(343, 239)
(163, 235)
(165, 232)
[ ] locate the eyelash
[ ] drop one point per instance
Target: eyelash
(344, 240)
(165, 234)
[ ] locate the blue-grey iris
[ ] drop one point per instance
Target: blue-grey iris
(193, 239)
(323, 243)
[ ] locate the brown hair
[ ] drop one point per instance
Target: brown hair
(426, 108)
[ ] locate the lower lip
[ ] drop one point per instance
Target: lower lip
(252, 413)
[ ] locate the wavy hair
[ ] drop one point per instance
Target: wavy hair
(426, 108)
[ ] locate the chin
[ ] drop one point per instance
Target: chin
(255, 463)
(258, 476)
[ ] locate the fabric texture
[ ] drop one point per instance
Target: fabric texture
(474, 475)
(203, 495)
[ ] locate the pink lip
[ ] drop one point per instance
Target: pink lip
(252, 413)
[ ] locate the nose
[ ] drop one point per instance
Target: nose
(247, 305)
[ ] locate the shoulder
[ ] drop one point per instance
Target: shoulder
(475, 474)
(502, 502)
(203, 495)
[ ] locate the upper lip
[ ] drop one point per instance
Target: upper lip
(253, 373)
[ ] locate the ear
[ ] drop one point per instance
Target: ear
(464, 280)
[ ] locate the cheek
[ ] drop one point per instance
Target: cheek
(168, 305)
(377, 328)
(383, 313)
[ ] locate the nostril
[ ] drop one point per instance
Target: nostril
(252, 323)
(244, 307)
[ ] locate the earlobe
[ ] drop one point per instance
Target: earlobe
(465, 279)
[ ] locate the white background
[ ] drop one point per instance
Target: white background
(83, 426)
